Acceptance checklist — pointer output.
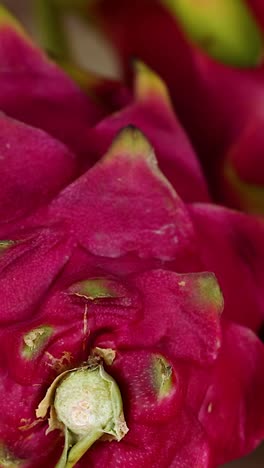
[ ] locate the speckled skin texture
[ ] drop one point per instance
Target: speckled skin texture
(254, 460)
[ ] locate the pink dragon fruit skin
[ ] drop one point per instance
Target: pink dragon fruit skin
(219, 105)
(194, 247)
(78, 288)
(29, 178)
(151, 111)
(232, 367)
(63, 111)
(71, 288)
(231, 245)
(37, 92)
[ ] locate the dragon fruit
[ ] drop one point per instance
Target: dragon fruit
(228, 136)
(69, 115)
(130, 306)
(34, 90)
(151, 111)
(26, 74)
(128, 359)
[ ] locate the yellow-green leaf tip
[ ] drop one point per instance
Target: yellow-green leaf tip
(209, 292)
(148, 84)
(8, 20)
(35, 340)
(162, 377)
(95, 288)
(130, 143)
(225, 29)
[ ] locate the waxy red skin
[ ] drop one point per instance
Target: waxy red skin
(151, 311)
(151, 111)
(220, 106)
(238, 357)
(124, 222)
(197, 236)
(165, 50)
(231, 245)
(36, 91)
(34, 168)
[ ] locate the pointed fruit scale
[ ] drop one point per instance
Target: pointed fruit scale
(199, 301)
(149, 85)
(152, 330)
(135, 227)
(98, 333)
(231, 245)
(151, 111)
(9, 21)
(215, 101)
(34, 90)
(34, 168)
(132, 145)
(137, 376)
